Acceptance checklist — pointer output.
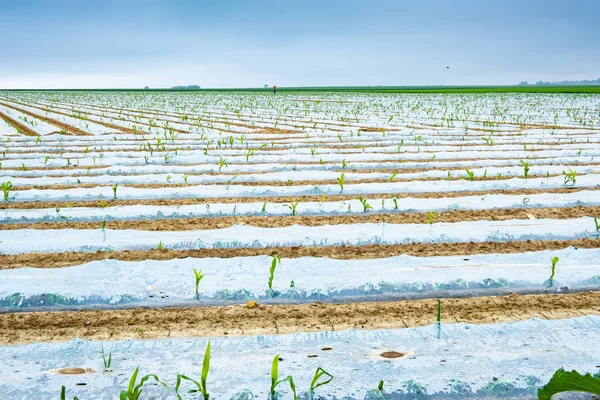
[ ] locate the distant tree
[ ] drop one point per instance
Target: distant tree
(523, 83)
(266, 86)
(146, 88)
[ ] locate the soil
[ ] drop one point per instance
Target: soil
(62, 125)
(66, 259)
(189, 224)
(22, 328)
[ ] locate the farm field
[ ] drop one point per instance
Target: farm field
(412, 245)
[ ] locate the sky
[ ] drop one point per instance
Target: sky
(249, 43)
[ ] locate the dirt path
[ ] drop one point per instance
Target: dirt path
(190, 224)
(140, 323)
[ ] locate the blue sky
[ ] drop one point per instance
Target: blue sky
(120, 44)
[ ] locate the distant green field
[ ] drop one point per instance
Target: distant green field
(368, 89)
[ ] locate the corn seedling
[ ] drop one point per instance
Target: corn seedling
(274, 262)
(264, 208)
(160, 245)
(344, 164)
(395, 200)
(366, 206)
(185, 178)
(103, 225)
(198, 275)
(431, 216)
(570, 177)
(276, 381)
(114, 189)
(392, 177)
(292, 206)
(554, 260)
(341, 182)
(63, 394)
(525, 168)
(380, 386)
(6, 187)
(134, 390)
(202, 384)
(470, 174)
(597, 223)
(319, 373)
(106, 360)
(222, 163)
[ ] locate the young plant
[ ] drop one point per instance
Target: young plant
(320, 372)
(554, 260)
(395, 200)
(292, 206)
(431, 216)
(393, 176)
(222, 163)
(525, 168)
(198, 275)
(106, 360)
(470, 174)
(114, 189)
(63, 392)
(160, 245)
(341, 182)
(570, 177)
(134, 390)
(597, 223)
(274, 262)
(276, 381)
(202, 384)
(6, 187)
(366, 206)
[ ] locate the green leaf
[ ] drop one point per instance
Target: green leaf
(274, 373)
(318, 374)
(573, 381)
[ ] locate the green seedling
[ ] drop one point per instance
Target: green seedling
(264, 208)
(134, 390)
(366, 206)
(63, 394)
(103, 224)
(222, 163)
(185, 178)
(292, 206)
(395, 200)
(597, 223)
(431, 216)
(198, 275)
(313, 151)
(203, 377)
(106, 360)
(319, 373)
(570, 177)
(470, 174)
(114, 189)
(525, 168)
(274, 262)
(6, 187)
(276, 381)
(554, 260)
(380, 386)
(393, 176)
(341, 182)
(344, 164)
(160, 245)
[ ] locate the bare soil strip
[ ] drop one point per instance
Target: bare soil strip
(52, 121)
(22, 328)
(274, 199)
(23, 129)
(67, 259)
(190, 224)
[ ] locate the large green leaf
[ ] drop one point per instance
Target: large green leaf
(573, 381)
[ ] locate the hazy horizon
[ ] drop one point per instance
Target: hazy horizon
(106, 44)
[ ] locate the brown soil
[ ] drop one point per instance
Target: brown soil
(21, 328)
(190, 224)
(59, 260)
(234, 200)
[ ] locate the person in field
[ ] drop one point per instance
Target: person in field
(274, 89)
